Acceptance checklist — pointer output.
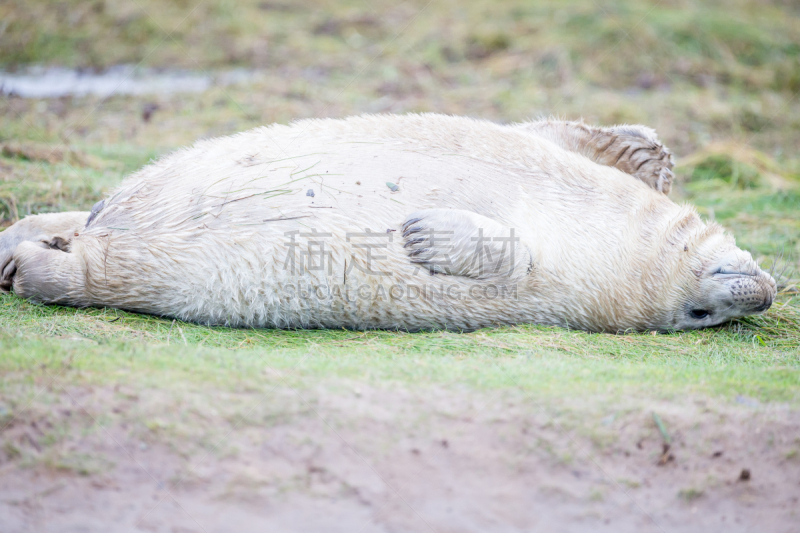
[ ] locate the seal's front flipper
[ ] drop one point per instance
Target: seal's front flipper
(463, 243)
(633, 149)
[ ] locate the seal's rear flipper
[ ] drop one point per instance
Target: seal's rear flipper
(54, 229)
(463, 243)
(48, 275)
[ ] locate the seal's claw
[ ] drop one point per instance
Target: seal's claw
(7, 277)
(640, 154)
(412, 242)
(409, 222)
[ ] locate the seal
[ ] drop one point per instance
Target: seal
(400, 222)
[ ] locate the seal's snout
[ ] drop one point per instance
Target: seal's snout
(752, 292)
(742, 288)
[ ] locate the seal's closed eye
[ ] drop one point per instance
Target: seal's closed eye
(699, 314)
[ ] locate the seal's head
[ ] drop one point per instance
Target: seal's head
(719, 282)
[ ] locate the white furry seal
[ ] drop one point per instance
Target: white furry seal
(411, 222)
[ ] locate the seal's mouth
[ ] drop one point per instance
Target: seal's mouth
(763, 307)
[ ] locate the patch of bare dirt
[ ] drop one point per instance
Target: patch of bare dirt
(349, 458)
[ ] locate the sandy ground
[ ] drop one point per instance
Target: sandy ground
(353, 459)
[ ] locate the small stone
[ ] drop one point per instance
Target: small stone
(745, 475)
(392, 186)
(310, 193)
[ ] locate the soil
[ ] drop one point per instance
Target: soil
(355, 459)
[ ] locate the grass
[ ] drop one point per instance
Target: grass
(718, 81)
(756, 357)
(741, 43)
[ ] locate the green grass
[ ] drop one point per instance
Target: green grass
(756, 357)
(740, 43)
(40, 187)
